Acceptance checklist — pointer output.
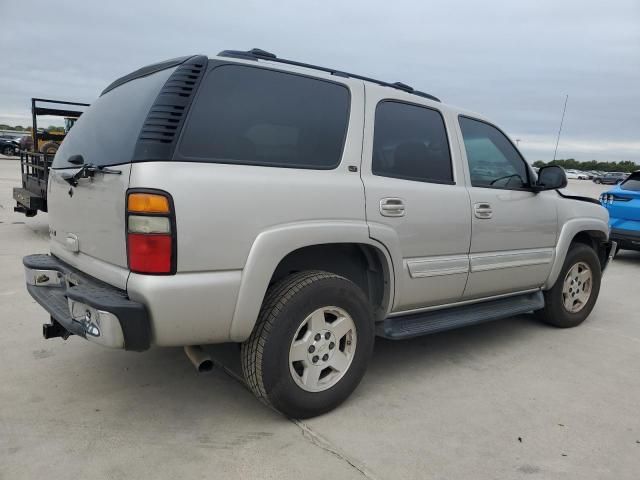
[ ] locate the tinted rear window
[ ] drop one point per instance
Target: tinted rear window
(410, 143)
(106, 134)
(632, 183)
(254, 116)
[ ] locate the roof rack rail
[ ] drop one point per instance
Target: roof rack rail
(259, 54)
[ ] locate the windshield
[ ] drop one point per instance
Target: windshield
(106, 134)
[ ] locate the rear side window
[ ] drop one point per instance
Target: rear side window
(493, 160)
(107, 133)
(254, 116)
(632, 183)
(410, 142)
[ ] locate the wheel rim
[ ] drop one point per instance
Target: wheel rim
(577, 287)
(322, 349)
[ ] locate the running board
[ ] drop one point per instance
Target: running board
(415, 325)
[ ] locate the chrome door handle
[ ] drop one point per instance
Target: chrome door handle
(482, 210)
(392, 207)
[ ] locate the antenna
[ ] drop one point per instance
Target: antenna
(560, 130)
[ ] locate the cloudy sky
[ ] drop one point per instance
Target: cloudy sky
(513, 61)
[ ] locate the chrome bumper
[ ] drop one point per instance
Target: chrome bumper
(85, 306)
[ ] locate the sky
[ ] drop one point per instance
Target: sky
(512, 61)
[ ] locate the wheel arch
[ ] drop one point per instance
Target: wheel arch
(589, 231)
(343, 248)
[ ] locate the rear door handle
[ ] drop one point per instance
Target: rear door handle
(392, 207)
(482, 211)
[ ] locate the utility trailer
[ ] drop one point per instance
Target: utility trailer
(36, 159)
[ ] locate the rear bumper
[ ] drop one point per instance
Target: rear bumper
(85, 306)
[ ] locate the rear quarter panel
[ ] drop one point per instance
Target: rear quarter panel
(221, 209)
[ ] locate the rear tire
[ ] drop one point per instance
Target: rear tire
(570, 301)
(311, 344)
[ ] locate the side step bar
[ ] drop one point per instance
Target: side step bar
(415, 325)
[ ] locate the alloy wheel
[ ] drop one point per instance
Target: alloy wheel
(577, 287)
(322, 349)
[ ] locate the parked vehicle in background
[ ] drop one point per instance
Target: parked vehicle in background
(611, 178)
(8, 147)
(623, 204)
(13, 138)
(576, 175)
(300, 211)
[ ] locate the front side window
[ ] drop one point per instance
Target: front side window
(254, 116)
(493, 160)
(410, 142)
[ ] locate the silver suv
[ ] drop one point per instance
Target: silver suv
(300, 211)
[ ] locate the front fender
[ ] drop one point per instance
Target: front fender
(272, 245)
(568, 232)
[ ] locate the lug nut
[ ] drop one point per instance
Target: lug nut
(312, 349)
(317, 337)
(325, 357)
(327, 336)
(331, 345)
(315, 359)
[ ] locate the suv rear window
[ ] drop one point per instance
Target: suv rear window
(106, 134)
(632, 183)
(254, 116)
(410, 143)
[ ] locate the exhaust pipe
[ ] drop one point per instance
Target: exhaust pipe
(200, 359)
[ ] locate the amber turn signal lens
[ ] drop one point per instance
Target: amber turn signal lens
(147, 203)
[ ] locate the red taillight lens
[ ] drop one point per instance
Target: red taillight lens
(151, 232)
(149, 253)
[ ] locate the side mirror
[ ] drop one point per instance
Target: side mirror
(551, 177)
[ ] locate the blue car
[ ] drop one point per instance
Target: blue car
(623, 204)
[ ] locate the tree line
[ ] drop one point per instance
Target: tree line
(20, 128)
(573, 164)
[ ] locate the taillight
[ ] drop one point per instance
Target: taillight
(151, 235)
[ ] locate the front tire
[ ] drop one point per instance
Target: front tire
(570, 301)
(311, 344)
(50, 148)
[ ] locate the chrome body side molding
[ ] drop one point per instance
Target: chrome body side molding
(481, 262)
(437, 266)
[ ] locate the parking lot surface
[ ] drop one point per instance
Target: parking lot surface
(509, 399)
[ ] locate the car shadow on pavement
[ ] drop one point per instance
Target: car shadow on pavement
(163, 378)
(468, 347)
(628, 257)
(424, 355)
(162, 385)
(169, 368)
